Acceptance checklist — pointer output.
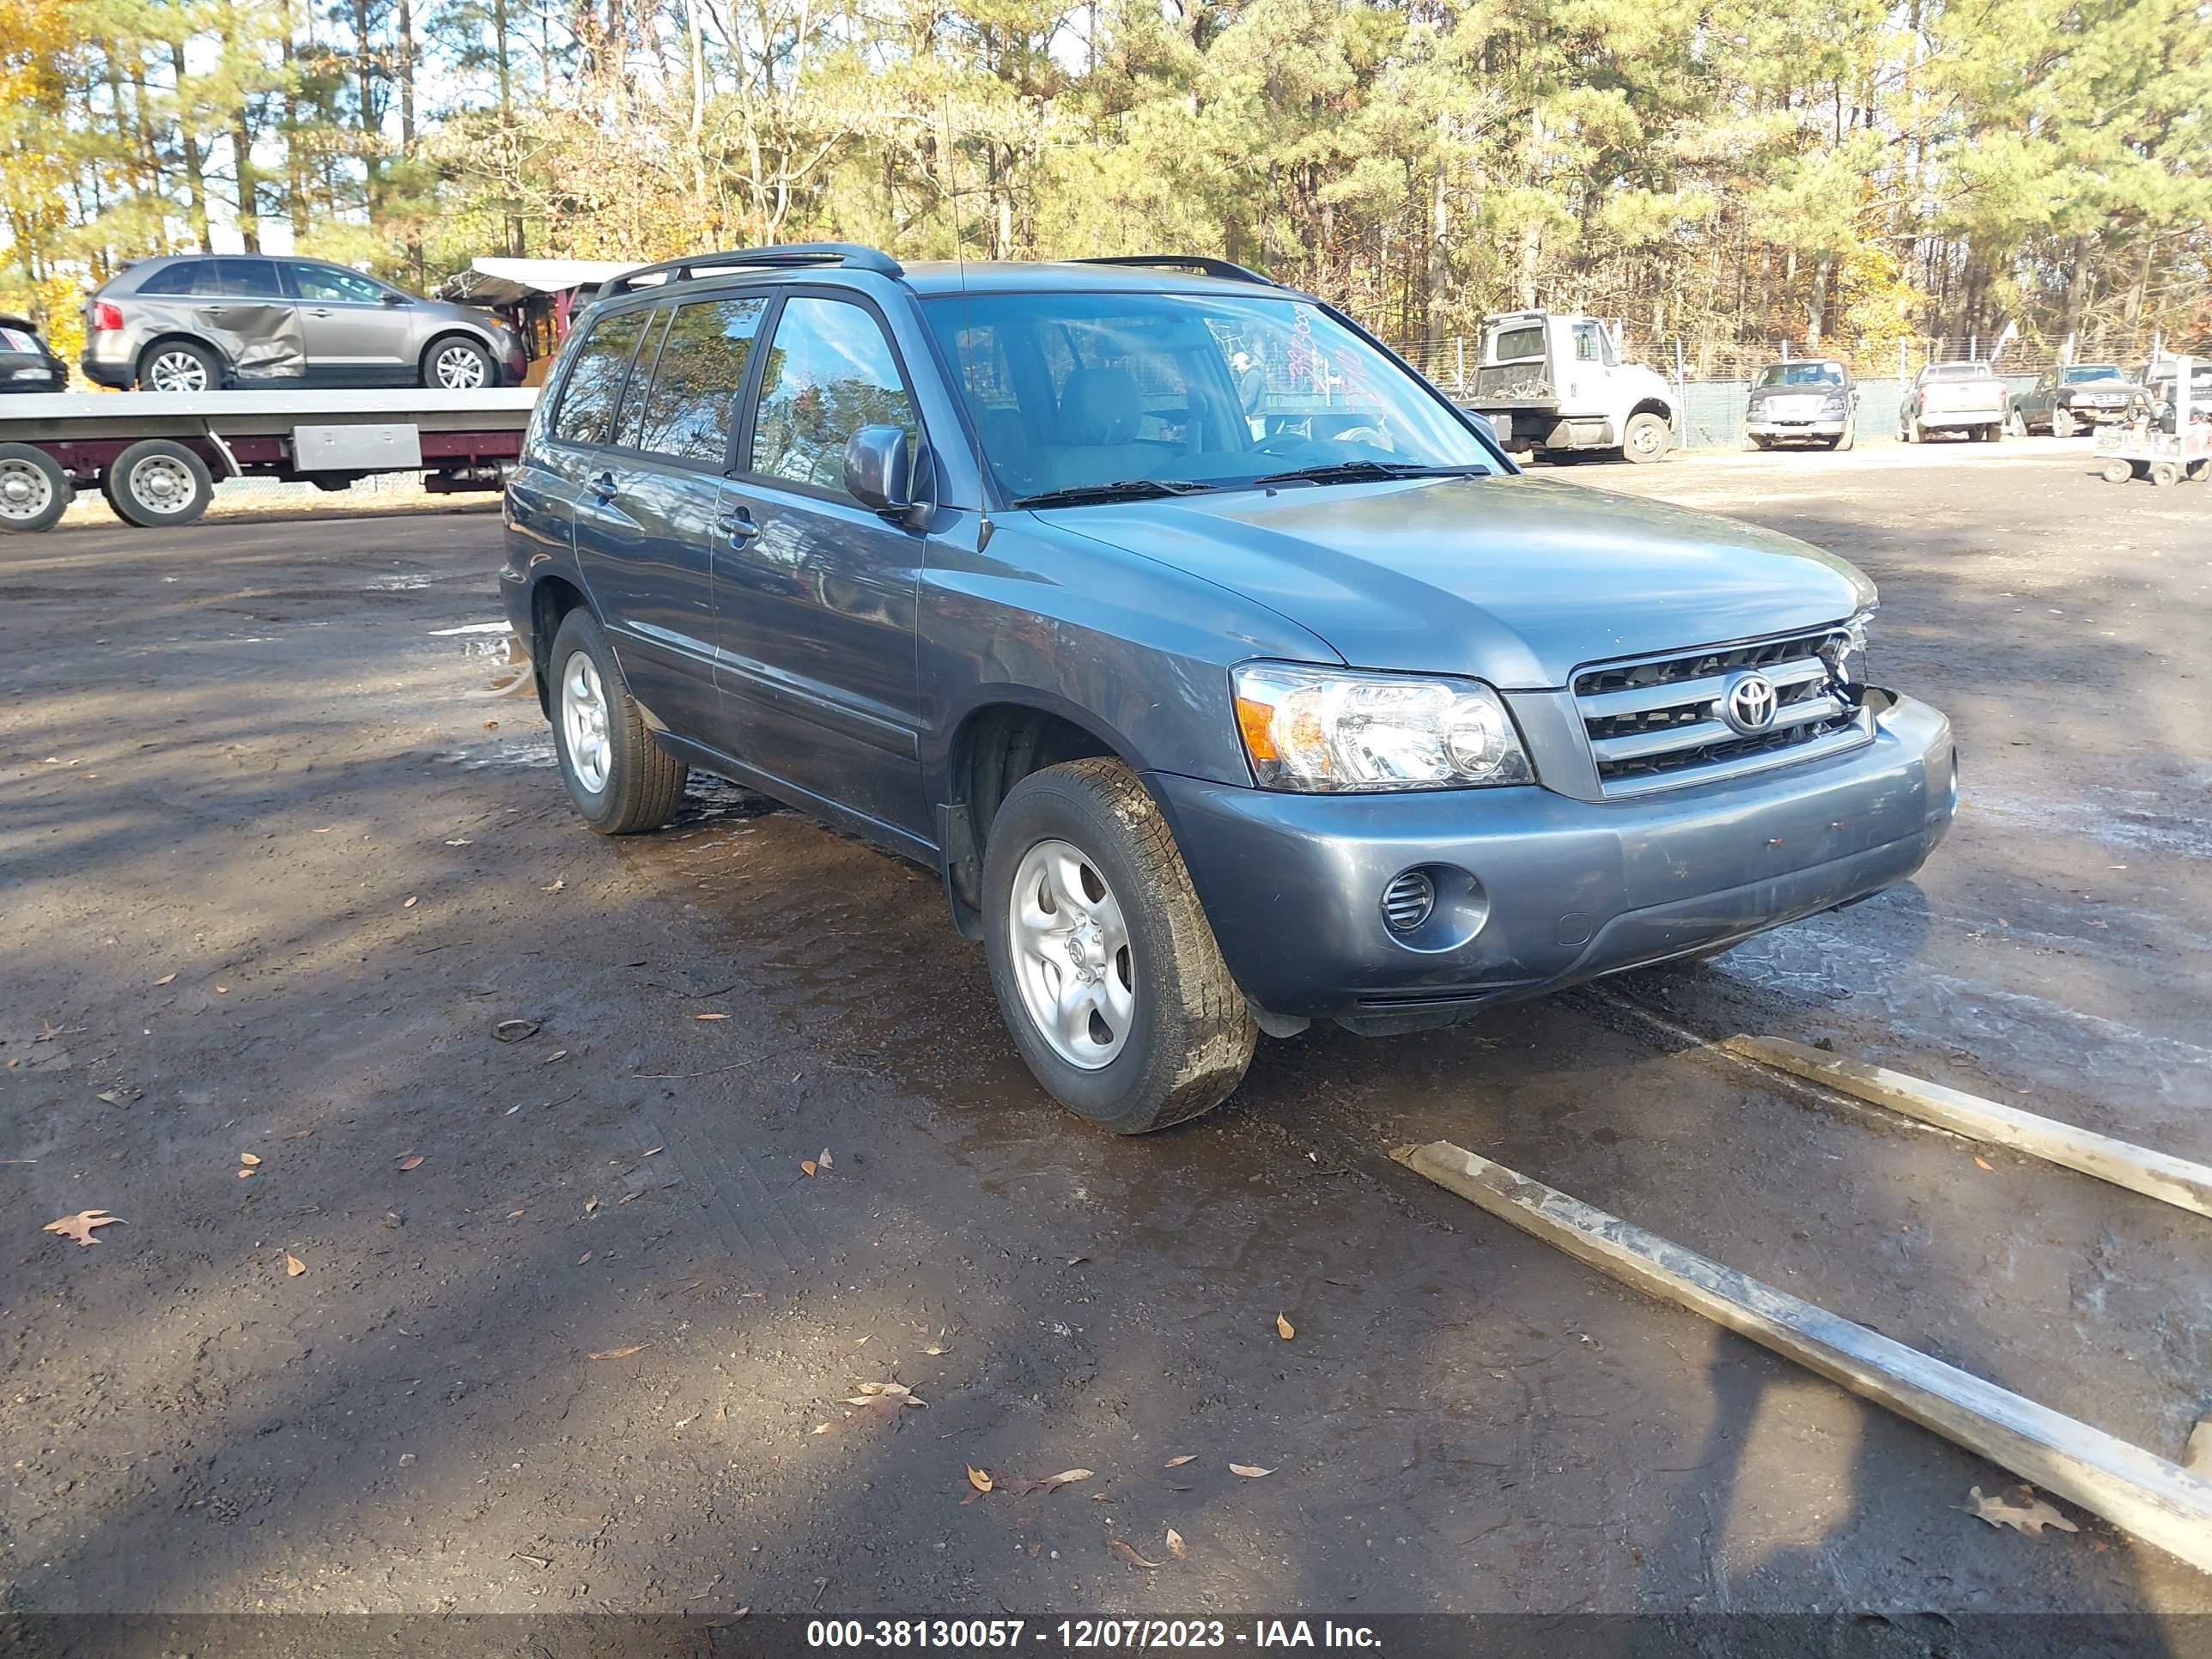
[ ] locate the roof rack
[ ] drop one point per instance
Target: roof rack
(1197, 262)
(850, 255)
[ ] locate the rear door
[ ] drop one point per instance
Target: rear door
(655, 534)
(353, 331)
(814, 595)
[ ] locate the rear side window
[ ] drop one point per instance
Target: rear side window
(248, 279)
(701, 370)
(1514, 344)
(12, 340)
(828, 374)
(182, 279)
(629, 419)
(596, 381)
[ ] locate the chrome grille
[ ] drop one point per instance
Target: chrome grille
(1654, 722)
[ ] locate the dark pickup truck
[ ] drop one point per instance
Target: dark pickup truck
(1216, 712)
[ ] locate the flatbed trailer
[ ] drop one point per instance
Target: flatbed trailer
(156, 456)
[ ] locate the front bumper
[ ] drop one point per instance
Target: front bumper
(1563, 890)
(1825, 426)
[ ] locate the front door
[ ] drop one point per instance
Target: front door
(353, 331)
(814, 595)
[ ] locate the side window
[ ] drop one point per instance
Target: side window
(1586, 343)
(328, 285)
(596, 381)
(1514, 345)
(828, 374)
(248, 279)
(629, 419)
(702, 369)
(177, 278)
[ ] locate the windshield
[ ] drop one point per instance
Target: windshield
(1802, 375)
(1072, 391)
(2084, 371)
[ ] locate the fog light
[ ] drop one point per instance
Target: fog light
(1409, 901)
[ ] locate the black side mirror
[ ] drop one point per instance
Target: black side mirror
(881, 468)
(392, 298)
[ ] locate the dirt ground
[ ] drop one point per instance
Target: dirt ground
(556, 1324)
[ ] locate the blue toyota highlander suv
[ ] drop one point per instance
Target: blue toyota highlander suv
(1229, 677)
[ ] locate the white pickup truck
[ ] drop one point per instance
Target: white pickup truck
(1547, 381)
(1966, 397)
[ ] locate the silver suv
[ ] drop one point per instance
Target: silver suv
(198, 322)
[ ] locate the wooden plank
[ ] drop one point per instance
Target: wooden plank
(2171, 1180)
(2158, 1501)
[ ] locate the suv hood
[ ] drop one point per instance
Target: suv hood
(1513, 579)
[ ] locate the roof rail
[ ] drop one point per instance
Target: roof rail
(1197, 262)
(850, 255)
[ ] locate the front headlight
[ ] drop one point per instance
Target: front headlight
(1327, 731)
(1846, 654)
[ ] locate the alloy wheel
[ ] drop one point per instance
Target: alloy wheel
(584, 722)
(1071, 953)
(177, 371)
(457, 368)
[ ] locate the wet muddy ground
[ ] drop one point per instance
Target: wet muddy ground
(278, 861)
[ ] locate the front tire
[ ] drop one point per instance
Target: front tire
(156, 483)
(2062, 423)
(458, 365)
(34, 491)
(1644, 440)
(618, 777)
(1106, 969)
(1845, 439)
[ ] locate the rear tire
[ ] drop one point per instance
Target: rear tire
(1645, 438)
(2118, 472)
(34, 491)
(1908, 431)
(1154, 1030)
(156, 483)
(2165, 474)
(618, 777)
(179, 366)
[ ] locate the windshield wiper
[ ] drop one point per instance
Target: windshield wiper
(1369, 471)
(1123, 489)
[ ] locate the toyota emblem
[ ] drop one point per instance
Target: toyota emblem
(1749, 703)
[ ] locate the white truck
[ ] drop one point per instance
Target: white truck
(1963, 397)
(1551, 382)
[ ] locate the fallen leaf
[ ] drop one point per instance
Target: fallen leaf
(462, 842)
(807, 1164)
(113, 1097)
(513, 1215)
(558, 1054)
(1984, 1163)
(1250, 1472)
(293, 1265)
(935, 1353)
(825, 1161)
(819, 1428)
(252, 1160)
(2030, 1518)
(245, 1174)
(1283, 1328)
(1175, 1545)
(708, 1016)
(620, 1354)
(80, 1225)
(980, 1478)
(1123, 1552)
(559, 882)
(1055, 1482)
(167, 979)
(1177, 1462)
(409, 905)
(412, 1161)
(591, 1203)
(224, 990)
(513, 1030)
(582, 1259)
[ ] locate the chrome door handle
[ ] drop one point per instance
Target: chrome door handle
(320, 310)
(737, 525)
(603, 487)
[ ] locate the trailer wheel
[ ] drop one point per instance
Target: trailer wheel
(2118, 472)
(1645, 438)
(2165, 475)
(34, 491)
(156, 483)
